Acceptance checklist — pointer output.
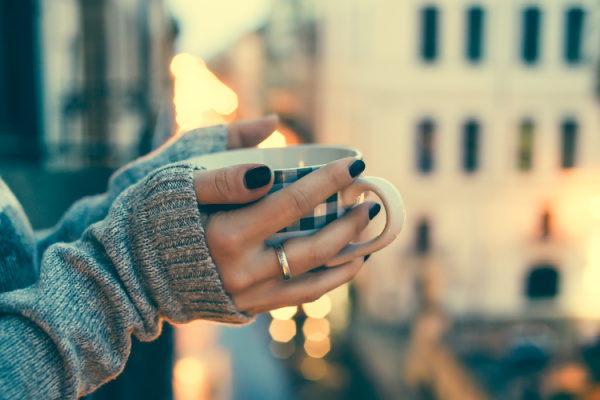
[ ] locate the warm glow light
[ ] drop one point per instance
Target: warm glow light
(594, 207)
(282, 330)
(316, 325)
(275, 140)
(313, 368)
(284, 312)
(189, 379)
(319, 308)
(317, 345)
(189, 371)
(200, 97)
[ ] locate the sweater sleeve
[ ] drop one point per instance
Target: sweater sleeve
(92, 209)
(147, 261)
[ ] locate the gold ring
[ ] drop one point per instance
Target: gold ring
(283, 262)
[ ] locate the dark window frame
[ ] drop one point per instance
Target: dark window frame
(526, 142)
(531, 35)
(423, 237)
(475, 34)
(429, 31)
(543, 282)
(573, 35)
(569, 135)
(471, 134)
(425, 156)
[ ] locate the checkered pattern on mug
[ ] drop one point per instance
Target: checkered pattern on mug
(323, 214)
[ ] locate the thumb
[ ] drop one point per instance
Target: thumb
(238, 184)
(243, 134)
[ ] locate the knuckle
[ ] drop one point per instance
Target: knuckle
(224, 238)
(222, 183)
(318, 255)
(338, 178)
(235, 280)
(300, 199)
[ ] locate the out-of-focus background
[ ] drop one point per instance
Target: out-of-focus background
(484, 113)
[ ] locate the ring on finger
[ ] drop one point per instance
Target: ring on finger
(283, 262)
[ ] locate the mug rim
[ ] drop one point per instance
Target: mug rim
(357, 153)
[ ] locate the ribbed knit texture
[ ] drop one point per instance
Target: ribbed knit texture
(144, 260)
(93, 208)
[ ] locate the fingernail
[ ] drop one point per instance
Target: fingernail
(356, 168)
(367, 257)
(374, 210)
(257, 177)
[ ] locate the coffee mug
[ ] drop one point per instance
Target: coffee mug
(294, 162)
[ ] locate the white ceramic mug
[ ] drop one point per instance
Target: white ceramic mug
(292, 163)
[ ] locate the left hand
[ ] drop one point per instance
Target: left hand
(243, 134)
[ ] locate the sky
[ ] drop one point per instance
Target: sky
(209, 26)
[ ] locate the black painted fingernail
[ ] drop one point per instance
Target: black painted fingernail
(367, 257)
(374, 210)
(257, 177)
(356, 168)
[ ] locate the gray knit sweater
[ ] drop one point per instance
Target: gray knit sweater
(116, 264)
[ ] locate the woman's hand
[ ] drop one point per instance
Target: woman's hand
(249, 269)
(243, 134)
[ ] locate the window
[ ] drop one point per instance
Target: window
(569, 143)
(471, 146)
(546, 226)
(573, 32)
(425, 138)
(525, 155)
(542, 282)
(531, 35)
(429, 34)
(474, 34)
(422, 243)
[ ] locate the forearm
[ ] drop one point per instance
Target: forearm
(92, 209)
(146, 261)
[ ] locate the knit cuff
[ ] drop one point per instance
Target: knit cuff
(176, 264)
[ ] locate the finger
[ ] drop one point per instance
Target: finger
(308, 252)
(288, 205)
(250, 133)
(302, 289)
(238, 184)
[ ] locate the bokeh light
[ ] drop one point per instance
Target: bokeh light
(275, 140)
(189, 379)
(284, 312)
(319, 308)
(200, 98)
(316, 325)
(282, 330)
(317, 345)
(314, 368)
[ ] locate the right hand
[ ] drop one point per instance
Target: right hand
(249, 269)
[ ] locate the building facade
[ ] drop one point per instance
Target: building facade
(105, 76)
(484, 115)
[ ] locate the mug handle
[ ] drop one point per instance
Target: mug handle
(394, 213)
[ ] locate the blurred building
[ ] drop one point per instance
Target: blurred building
(274, 68)
(484, 116)
(104, 79)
